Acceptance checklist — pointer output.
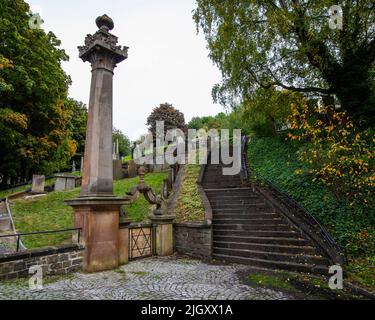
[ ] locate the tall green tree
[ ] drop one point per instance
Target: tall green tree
(77, 122)
(34, 120)
(290, 45)
(172, 118)
(123, 141)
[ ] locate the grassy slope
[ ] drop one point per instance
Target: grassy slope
(51, 213)
(352, 227)
(6, 193)
(189, 206)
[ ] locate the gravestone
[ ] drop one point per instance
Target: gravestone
(38, 183)
(65, 182)
(117, 170)
(132, 169)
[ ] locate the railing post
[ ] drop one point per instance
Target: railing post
(18, 243)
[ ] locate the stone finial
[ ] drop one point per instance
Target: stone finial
(105, 23)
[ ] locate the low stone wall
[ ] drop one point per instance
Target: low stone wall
(54, 261)
(193, 239)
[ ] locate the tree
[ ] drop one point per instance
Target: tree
(267, 111)
(172, 118)
(123, 141)
(77, 122)
(34, 120)
(289, 45)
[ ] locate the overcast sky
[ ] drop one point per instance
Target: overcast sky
(168, 61)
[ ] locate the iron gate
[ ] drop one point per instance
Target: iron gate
(141, 241)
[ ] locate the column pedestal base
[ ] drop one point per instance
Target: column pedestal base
(99, 218)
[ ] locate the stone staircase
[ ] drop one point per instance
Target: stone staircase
(248, 230)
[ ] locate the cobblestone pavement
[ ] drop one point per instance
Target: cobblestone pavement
(151, 278)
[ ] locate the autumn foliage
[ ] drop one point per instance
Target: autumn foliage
(338, 154)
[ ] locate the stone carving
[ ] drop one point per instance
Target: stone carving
(102, 46)
(148, 193)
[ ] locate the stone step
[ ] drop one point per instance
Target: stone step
(240, 194)
(238, 206)
(227, 196)
(275, 256)
(258, 227)
(261, 240)
(236, 202)
(219, 185)
(229, 191)
(221, 178)
(237, 223)
(253, 210)
(253, 233)
(274, 265)
(266, 247)
(243, 215)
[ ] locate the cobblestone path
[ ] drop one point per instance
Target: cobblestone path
(152, 278)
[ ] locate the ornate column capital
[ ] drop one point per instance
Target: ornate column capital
(101, 48)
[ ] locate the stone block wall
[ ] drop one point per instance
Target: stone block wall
(54, 261)
(193, 239)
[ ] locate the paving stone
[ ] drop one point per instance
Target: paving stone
(152, 278)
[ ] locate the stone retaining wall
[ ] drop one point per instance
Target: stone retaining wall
(54, 261)
(193, 239)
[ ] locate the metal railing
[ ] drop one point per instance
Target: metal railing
(19, 235)
(244, 165)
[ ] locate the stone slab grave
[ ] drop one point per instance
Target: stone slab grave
(132, 169)
(66, 182)
(118, 173)
(4, 217)
(38, 184)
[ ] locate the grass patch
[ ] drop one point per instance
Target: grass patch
(51, 213)
(301, 286)
(139, 273)
(7, 193)
(351, 226)
(272, 282)
(189, 207)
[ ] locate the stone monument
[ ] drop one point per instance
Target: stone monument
(97, 210)
(38, 184)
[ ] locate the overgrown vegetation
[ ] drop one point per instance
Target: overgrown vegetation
(189, 207)
(352, 225)
(298, 285)
(338, 155)
(51, 213)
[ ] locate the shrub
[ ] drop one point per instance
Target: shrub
(337, 154)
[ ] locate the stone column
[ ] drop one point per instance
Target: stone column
(97, 210)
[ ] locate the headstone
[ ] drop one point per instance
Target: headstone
(132, 169)
(117, 170)
(74, 166)
(38, 183)
(157, 167)
(65, 182)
